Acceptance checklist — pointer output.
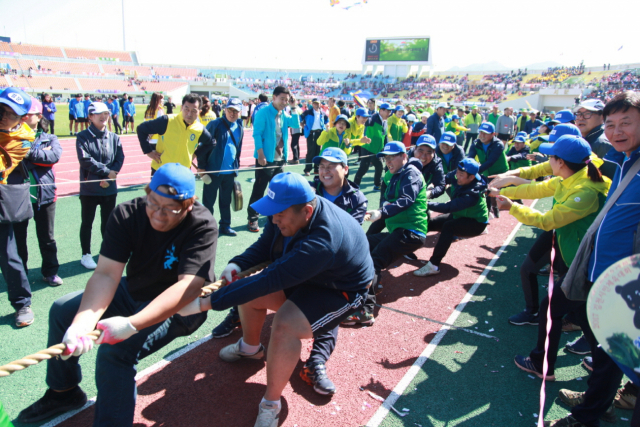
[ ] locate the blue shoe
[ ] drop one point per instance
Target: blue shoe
(524, 318)
(527, 365)
(579, 346)
(228, 325)
(376, 188)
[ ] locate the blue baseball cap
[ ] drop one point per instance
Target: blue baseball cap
(342, 117)
(362, 112)
(234, 103)
(426, 140)
(19, 101)
(535, 133)
(385, 106)
(393, 147)
(177, 176)
(523, 134)
(519, 138)
(487, 127)
(399, 108)
(565, 129)
(285, 190)
(332, 154)
(470, 166)
(571, 148)
(455, 117)
(448, 138)
(564, 116)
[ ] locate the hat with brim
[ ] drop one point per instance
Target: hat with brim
(427, 140)
(448, 138)
(391, 148)
(19, 101)
(342, 117)
(333, 155)
(176, 176)
(285, 190)
(570, 148)
(471, 167)
(97, 108)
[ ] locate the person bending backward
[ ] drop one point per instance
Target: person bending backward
(432, 171)
(449, 152)
(167, 241)
(178, 135)
(376, 129)
(466, 215)
(318, 276)
(404, 213)
(314, 123)
(101, 157)
(491, 156)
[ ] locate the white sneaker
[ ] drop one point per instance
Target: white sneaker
(232, 353)
(428, 270)
(88, 262)
(268, 416)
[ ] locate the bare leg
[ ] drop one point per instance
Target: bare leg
(253, 313)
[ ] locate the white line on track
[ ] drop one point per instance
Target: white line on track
(383, 410)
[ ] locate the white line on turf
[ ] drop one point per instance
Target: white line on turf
(150, 370)
(383, 410)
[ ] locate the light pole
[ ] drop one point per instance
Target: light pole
(124, 40)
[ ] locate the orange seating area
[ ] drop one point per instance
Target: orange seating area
(93, 54)
(5, 47)
(24, 63)
(73, 67)
(29, 49)
(45, 83)
(174, 72)
(92, 85)
(116, 69)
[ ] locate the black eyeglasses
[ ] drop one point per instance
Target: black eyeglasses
(586, 115)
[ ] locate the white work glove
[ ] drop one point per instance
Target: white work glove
(115, 330)
(77, 342)
(373, 216)
(231, 272)
(190, 309)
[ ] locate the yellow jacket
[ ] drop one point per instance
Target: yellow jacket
(179, 142)
(544, 169)
(210, 116)
(333, 113)
(396, 128)
(329, 138)
(456, 128)
(17, 144)
(355, 132)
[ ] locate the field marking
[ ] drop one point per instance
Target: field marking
(399, 389)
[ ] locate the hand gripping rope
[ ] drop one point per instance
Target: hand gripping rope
(56, 350)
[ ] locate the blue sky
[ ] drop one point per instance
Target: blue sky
(310, 34)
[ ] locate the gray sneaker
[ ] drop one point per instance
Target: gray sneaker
(232, 353)
(268, 416)
(24, 317)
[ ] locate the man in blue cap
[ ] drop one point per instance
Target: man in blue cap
(167, 242)
(425, 151)
(16, 138)
(377, 130)
(466, 215)
(449, 152)
(318, 276)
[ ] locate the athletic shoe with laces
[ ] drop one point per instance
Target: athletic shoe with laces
(268, 415)
(578, 346)
(526, 364)
(359, 318)
(428, 270)
(228, 325)
(567, 421)
(53, 404)
(253, 226)
(54, 280)
(24, 317)
(626, 397)
(316, 376)
(232, 353)
(587, 362)
(567, 326)
(524, 318)
(88, 262)
(574, 398)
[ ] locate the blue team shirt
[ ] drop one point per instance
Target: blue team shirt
(230, 150)
(329, 197)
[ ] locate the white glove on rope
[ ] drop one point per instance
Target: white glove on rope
(230, 271)
(192, 308)
(77, 342)
(115, 330)
(374, 216)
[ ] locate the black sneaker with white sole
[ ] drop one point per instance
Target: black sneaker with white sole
(53, 403)
(228, 325)
(316, 376)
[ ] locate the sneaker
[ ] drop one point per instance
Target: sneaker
(544, 271)
(253, 226)
(268, 415)
(428, 270)
(411, 257)
(567, 421)
(307, 174)
(54, 280)
(359, 318)
(294, 162)
(52, 404)
(587, 362)
(574, 398)
(524, 318)
(232, 353)
(88, 262)
(227, 231)
(24, 317)
(578, 346)
(625, 398)
(376, 188)
(568, 326)
(228, 325)
(527, 365)
(316, 376)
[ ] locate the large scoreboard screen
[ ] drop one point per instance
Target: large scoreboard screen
(397, 50)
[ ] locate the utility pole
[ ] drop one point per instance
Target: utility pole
(124, 40)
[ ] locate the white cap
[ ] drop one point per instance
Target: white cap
(442, 105)
(411, 118)
(590, 105)
(98, 108)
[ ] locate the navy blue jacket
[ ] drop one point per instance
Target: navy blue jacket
(529, 126)
(351, 200)
(457, 155)
(495, 149)
(210, 152)
(98, 153)
(308, 117)
(435, 126)
(39, 162)
(330, 252)
(518, 155)
(410, 186)
(433, 174)
(462, 197)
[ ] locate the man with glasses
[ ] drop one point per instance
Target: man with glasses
(590, 121)
(179, 133)
(167, 242)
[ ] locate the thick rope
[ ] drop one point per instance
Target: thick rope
(56, 350)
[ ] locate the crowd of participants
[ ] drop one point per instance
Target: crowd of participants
(319, 277)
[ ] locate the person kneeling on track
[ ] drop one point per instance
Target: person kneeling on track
(404, 214)
(318, 276)
(465, 215)
(167, 241)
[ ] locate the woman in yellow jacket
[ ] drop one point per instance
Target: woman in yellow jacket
(455, 127)
(397, 126)
(342, 136)
(154, 110)
(579, 191)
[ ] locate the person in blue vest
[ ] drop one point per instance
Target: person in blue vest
(222, 153)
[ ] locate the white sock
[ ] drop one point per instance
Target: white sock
(435, 267)
(275, 403)
(248, 349)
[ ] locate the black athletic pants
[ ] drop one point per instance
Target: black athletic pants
(263, 177)
(116, 124)
(44, 217)
(313, 149)
(449, 228)
(88, 206)
(295, 146)
(469, 140)
(367, 158)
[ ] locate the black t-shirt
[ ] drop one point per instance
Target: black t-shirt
(155, 259)
(169, 106)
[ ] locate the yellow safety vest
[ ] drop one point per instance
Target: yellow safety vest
(179, 142)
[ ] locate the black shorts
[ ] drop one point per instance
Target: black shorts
(325, 308)
(128, 119)
(82, 120)
(71, 117)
